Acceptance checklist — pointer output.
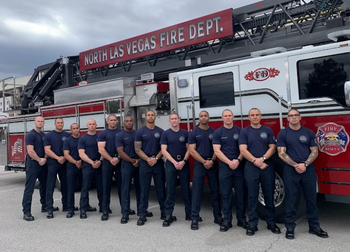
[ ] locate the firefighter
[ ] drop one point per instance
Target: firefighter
(36, 168)
(257, 145)
(174, 146)
(231, 174)
(56, 165)
(74, 164)
(297, 147)
(110, 164)
(88, 152)
(147, 147)
(129, 167)
(201, 149)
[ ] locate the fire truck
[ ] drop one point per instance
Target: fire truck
(273, 55)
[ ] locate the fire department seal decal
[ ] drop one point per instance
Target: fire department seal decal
(262, 74)
(332, 138)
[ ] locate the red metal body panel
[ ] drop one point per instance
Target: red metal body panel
(91, 108)
(59, 112)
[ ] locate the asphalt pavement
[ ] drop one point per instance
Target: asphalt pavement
(91, 234)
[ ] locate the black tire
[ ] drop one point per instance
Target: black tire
(279, 196)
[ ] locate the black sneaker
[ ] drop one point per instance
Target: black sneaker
(91, 209)
(141, 221)
(49, 215)
(124, 219)
(194, 225)
(70, 214)
(104, 217)
(225, 226)
(83, 215)
(44, 210)
(168, 220)
(243, 224)
(28, 217)
(251, 230)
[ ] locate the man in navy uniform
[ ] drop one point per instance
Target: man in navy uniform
(35, 168)
(56, 165)
(174, 146)
(257, 145)
(231, 174)
(129, 167)
(297, 147)
(147, 147)
(201, 149)
(74, 164)
(110, 163)
(88, 152)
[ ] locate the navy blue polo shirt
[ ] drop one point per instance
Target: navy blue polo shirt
(127, 140)
(71, 144)
(176, 142)
(228, 139)
(109, 136)
(257, 140)
(37, 141)
(55, 140)
(89, 144)
(203, 140)
(297, 143)
(150, 139)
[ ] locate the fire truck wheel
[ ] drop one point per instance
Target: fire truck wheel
(279, 196)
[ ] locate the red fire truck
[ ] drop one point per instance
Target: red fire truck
(272, 55)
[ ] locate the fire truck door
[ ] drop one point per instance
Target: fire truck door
(217, 90)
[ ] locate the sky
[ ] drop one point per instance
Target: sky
(37, 32)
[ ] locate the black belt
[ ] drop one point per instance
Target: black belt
(178, 157)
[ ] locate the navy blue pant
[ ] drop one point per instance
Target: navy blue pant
(254, 176)
(229, 179)
(129, 172)
(90, 174)
(146, 174)
(108, 172)
(292, 181)
(33, 172)
(55, 168)
(199, 174)
(171, 180)
(73, 176)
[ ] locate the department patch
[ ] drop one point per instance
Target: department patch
(302, 138)
(156, 135)
(64, 138)
(263, 135)
(332, 139)
(182, 139)
(210, 136)
(236, 136)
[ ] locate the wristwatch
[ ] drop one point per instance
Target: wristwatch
(264, 158)
(156, 157)
(306, 164)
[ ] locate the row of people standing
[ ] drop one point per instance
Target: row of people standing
(229, 144)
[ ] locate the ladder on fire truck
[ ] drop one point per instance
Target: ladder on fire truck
(256, 27)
